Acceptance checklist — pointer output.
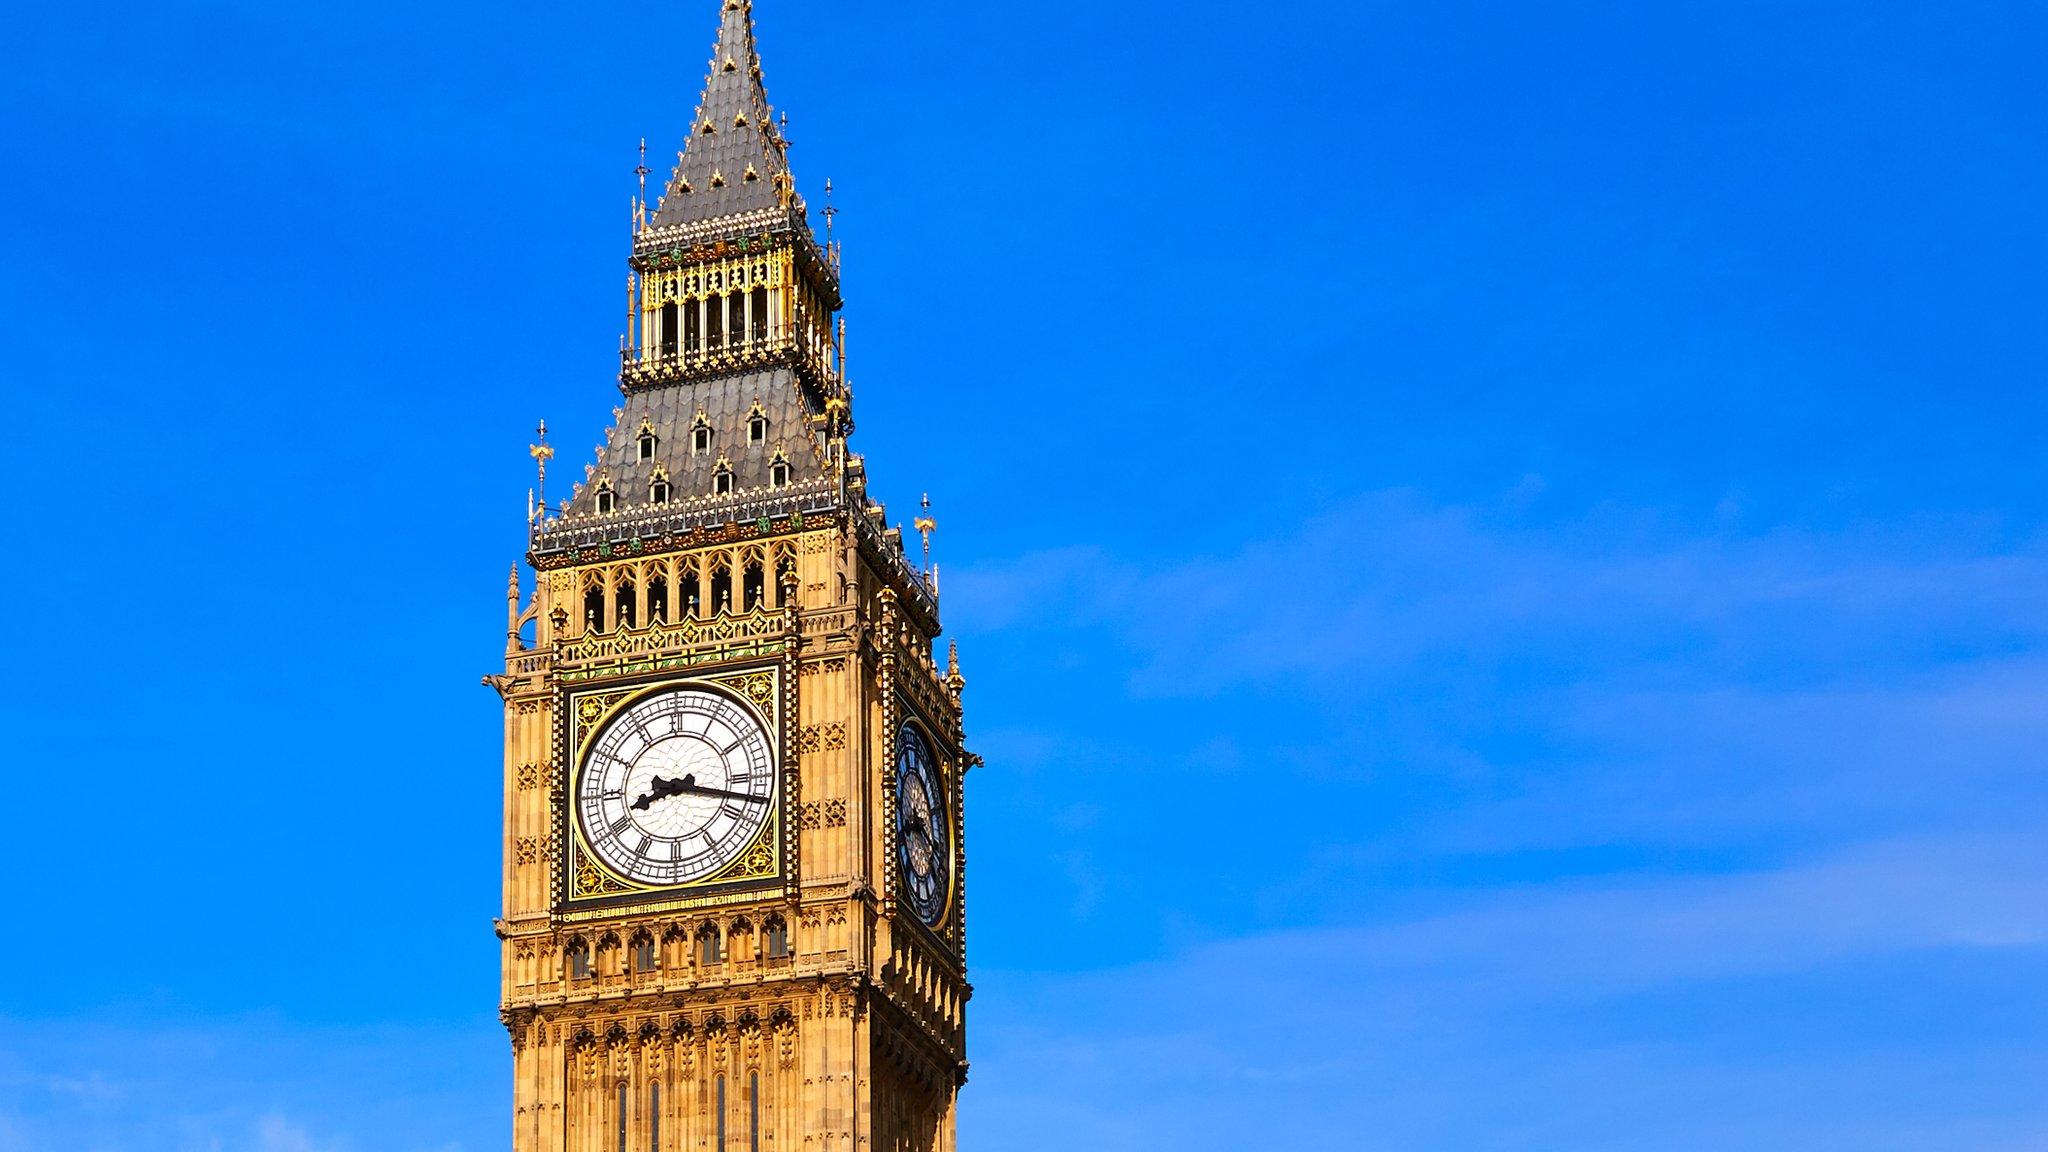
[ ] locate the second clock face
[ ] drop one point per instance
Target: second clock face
(923, 830)
(676, 787)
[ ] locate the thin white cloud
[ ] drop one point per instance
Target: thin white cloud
(1469, 1029)
(1388, 583)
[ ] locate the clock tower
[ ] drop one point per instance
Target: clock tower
(733, 850)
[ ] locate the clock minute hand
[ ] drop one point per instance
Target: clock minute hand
(689, 784)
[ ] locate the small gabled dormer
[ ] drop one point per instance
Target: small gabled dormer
(757, 424)
(607, 499)
(648, 440)
(658, 489)
(721, 478)
(700, 433)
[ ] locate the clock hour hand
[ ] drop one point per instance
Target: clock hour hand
(663, 789)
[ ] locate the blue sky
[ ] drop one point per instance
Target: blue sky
(1498, 549)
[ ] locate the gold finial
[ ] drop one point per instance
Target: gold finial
(542, 453)
(925, 526)
(640, 204)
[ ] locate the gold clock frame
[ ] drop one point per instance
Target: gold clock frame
(588, 887)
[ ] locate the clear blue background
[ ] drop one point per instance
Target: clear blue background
(1498, 550)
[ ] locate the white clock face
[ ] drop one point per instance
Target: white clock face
(924, 842)
(676, 787)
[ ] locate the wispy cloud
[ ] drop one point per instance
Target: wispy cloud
(1389, 583)
(248, 1086)
(1494, 1026)
(1617, 833)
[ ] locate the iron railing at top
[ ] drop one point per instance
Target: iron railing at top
(640, 368)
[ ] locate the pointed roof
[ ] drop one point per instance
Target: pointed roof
(736, 160)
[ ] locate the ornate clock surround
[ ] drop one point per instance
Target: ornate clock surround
(585, 886)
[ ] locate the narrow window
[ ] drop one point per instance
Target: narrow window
(670, 329)
(721, 1114)
(759, 304)
(579, 961)
(714, 314)
(754, 1110)
(693, 327)
(693, 595)
(657, 599)
(752, 586)
(622, 1116)
(721, 481)
(623, 604)
(657, 492)
(776, 937)
(643, 954)
(647, 445)
(713, 947)
(654, 1118)
(605, 500)
(778, 473)
(784, 572)
(721, 591)
(736, 322)
(593, 608)
(757, 429)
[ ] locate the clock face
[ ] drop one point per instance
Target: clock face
(923, 842)
(676, 786)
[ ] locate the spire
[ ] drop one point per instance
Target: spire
(736, 160)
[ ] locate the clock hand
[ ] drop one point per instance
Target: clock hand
(663, 789)
(689, 784)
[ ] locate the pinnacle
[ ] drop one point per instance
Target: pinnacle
(735, 160)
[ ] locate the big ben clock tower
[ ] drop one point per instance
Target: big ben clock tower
(733, 841)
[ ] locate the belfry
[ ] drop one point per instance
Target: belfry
(734, 853)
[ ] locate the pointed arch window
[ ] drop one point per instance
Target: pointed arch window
(721, 589)
(579, 959)
(623, 1105)
(658, 487)
(669, 328)
(721, 479)
(700, 433)
(753, 586)
(757, 425)
(607, 500)
(648, 440)
(710, 946)
(775, 938)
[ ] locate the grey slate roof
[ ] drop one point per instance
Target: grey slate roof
(733, 131)
(727, 403)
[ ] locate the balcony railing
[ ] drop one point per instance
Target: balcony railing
(818, 496)
(650, 367)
